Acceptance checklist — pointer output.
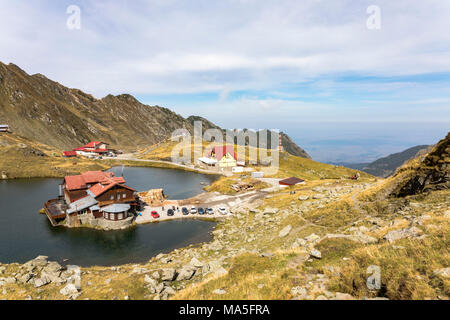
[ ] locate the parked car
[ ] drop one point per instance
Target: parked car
(155, 214)
(201, 211)
(223, 210)
(209, 211)
(185, 211)
(193, 210)
(170, 212)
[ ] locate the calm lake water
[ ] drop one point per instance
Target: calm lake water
(25, 234)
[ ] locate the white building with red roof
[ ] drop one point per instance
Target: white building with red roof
(224, 155)
(94, 148)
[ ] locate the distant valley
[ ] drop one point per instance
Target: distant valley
(386, 166)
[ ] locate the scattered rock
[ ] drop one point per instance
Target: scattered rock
(196, 263)
(444, 272)
(395, 235)
(303, 198)
(168, 274)
(312, 238)
(285, 231)
(299, 292)
(186, 273)
(219, 291)
(315, 253)
(343, 296)
(42, 281)
(69, 290)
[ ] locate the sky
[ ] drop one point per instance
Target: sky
(346, 83)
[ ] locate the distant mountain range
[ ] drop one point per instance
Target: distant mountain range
(386, 166)
(45, 111)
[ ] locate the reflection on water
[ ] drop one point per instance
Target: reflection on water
(24, 233)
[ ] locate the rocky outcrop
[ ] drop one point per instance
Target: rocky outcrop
(427, 174)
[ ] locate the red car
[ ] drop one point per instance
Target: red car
(155, 214)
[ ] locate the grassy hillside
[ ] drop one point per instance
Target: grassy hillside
(23, 158)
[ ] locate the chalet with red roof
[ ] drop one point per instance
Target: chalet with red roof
(98, 193)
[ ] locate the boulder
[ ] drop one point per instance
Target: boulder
(343, 296)
(312, 238)
(186, 273)
(69, 290)
(42, 281)
(299, 292)
(219, 291)
(285, 231)
(150, 281)
(168, 291)
(196, 263)
(303, 198)
(25, 278)
(315, 253)
(168, 274)
(395, 235)
(444, 272)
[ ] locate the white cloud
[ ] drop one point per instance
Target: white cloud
(182, 46)
(185, 46)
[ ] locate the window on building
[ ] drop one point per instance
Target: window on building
(124, 195)
(112, 197)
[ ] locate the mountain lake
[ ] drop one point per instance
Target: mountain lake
(25, 234)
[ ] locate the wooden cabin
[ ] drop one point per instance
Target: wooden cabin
(292, 181)
(98, 193)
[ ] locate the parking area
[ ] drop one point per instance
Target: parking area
(145, 216)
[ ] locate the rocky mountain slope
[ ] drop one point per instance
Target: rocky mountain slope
(386, 166)
(38, 108)
(427, 172)
(41, 109)
(288, 145)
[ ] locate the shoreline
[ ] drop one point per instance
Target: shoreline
(117, 163)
